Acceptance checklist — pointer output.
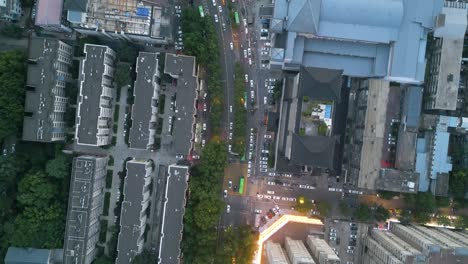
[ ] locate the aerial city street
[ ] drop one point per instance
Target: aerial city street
(233, 131)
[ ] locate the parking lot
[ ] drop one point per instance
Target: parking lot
(345, 238)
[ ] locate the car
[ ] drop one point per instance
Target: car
(204, 107)
(246, 31)
(270, 192)
(352, 236)
(225, 193)
(203, 143)
(265, 100)
(224, 26)
(230, 184)
(220, 9)
(349, 251)
(246, 78)
(230, 148)
(264, 30)
(230, 108)
(250, 61)
(332, 234)
(265, 151)
(249, 51)
(214, 2)
(332, 230)
(267, 44)
(271, 183)
(272, 174)
(179, 157)
(216, 18)
(5, 152)
(351, 247)
(258, 211)
(267, 136)
(264, 166)
(245, 54)
(230, 135)
(228, 208)
(265, 158)
(204, 126)
(288, 175)
(230, 125)
(235, 188)
(251, 83)
(252, 95)
(332, 238)
(231, 45)
(13, 148)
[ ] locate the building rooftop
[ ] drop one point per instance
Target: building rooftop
(144, 106)
(365, 38)
(183, 69)
(89, 101)
(132, 209)
(173, 214)
(412, 104)
(80, 206)
(49, 12)
(397, 181)
(275, 253)
(16, 255)
(41, 75)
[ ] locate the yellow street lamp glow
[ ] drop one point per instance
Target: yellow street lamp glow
(301, 200)
(277, 225)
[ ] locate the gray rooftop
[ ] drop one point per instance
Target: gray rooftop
(397, 181)
(412, 104)
(91, 77)
(145, 92)
(365, 38)
(80, 206)
(40, 102)
(173, 214)
(132, 208)
(16, 255)
(183, 68)
(319, 151)
(320, 84)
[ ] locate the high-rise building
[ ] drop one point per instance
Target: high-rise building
(133, 216)
(275, 253)
(297, 252)
(415, 244)
(85, 205)
(145, 108)
(321, 251)
(46, 101)
(10, 10)
(95, 108)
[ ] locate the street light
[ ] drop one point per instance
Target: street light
(301, 200)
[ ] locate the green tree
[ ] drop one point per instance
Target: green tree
(363, 213)
(381, 214)
(12, 31)
(461, 222)
(12, 82)
(303, 204)
(324, 208)
(344, 209)
(405, 217)
(59, 167)
(443, 220)
(458, 183)
(145, 257)
(35, 190)
(127, 52)
(106, 260)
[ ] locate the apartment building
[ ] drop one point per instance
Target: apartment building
(95, 99)
(46, 100)
(445, 48)
(321, 251)
(145, 106)
(275, 253)
(297, 252)
(184, 70)
(85, 205)
(133, 216)
(415, 244)
(49, 16)
(10, 10)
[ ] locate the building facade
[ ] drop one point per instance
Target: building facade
(133, 217)
(145, 106)
(95, 100)
(85, 205)
(10, 10)
(46, 100)
(49, 15)
(275, 253)
(415, 244)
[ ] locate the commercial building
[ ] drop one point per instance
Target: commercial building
(445, 49)
(415, 244)
(297, 252)
(275, 253)
(173, 215)
(130, 20)
(184, 70)
(144, 109)
(49, 15)
(10, 10)
(364, 38)
(321, 251)
(16, 255)
(46, 100)
(85, 205)
(307, 133)
(95, 100)
(133, 216)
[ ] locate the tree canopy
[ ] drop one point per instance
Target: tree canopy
(59, 167)
(363, 213)
(145, 257)
(12, 83)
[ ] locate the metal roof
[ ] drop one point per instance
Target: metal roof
(16, 255)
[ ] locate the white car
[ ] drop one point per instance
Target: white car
(225, 193)
(266, 135)
(265, 100)
(216, 18)
(271, 183)
(272, 174)
(204, 126)
(228, 208)
(230, 108)
(270, 192)
(231, 45)
(229, 148)
(203, 143)
(245, 54)
(265, 158)
(251, 83)
(230, 125)
(250, 61)
(268, 44)
(246, 78)
(220, 9)
(214, 2)
(249, 51)
(230, 136)
(265, 151)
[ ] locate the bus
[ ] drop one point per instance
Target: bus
(200, 9)
(236, 17)
(241, 185)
